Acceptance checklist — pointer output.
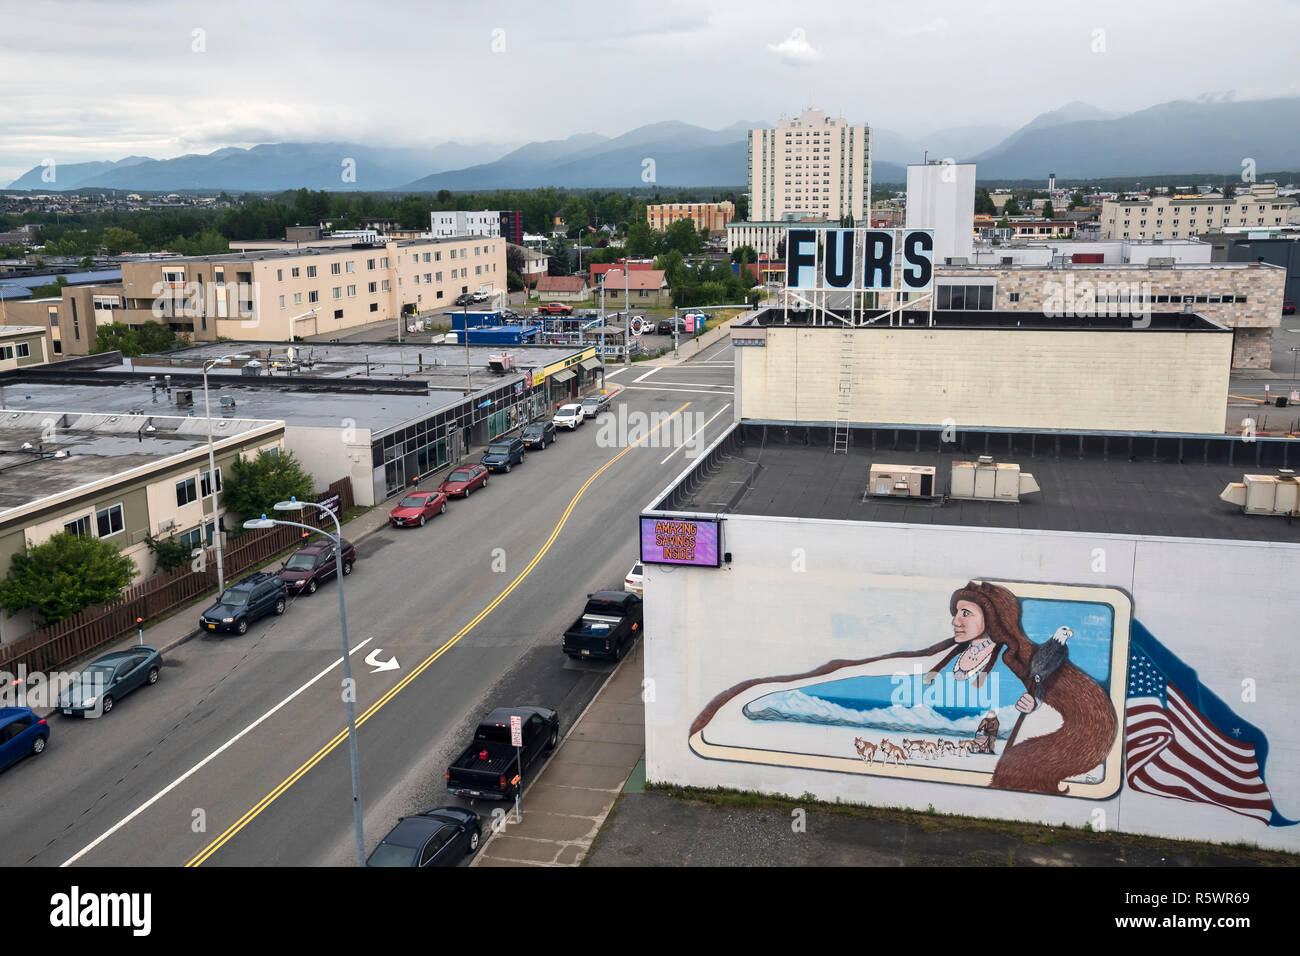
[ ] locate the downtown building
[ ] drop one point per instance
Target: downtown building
(1175, 217)
(810, 167)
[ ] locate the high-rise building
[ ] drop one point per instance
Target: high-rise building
(444, 224)
(810, 167)
(512, 226)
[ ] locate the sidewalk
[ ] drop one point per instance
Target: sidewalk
(566, 805)
(692, 347)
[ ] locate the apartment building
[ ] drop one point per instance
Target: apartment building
(461, 223)
(70, 321)
(1174, 217)
(707, 216)
(811, 166)
(277, 295)
(22, 345)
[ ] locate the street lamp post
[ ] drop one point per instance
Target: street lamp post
(212, 464)
(627, 315)
(293, 504)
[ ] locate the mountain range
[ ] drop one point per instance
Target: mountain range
(1076, 141)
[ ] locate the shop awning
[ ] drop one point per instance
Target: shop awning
(590, 364)
(563, 375)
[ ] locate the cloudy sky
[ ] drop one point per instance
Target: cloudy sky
(104, 79)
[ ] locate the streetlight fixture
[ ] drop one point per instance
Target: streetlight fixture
(212, 463)
(293, 504)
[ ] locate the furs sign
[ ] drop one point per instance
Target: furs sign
(859, 260)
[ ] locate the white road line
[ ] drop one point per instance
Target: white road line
(667, 382)
(689, 391)
(648, 374)
(202, 763)
(696, 432)
(617, 371)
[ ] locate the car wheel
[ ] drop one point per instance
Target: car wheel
(279, 604)
(485, 481)
(474, 839)
(38, 746)
(507, 468)
(444, 505)
(554, 739)
(347, 568)
(311, 588)
(421, 521)
(242, 626)
(153, 675)
(107, 705)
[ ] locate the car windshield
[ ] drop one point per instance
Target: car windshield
(387, 854)
(300, 562)
(234, 598)
(533, 430)
(460, 476)
(412, 502)
(498, 449)
(591, 401)
(570, 409)
(97, 673)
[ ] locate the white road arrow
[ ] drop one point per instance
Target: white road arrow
(373, 660)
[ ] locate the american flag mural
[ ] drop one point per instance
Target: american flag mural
(1183, 742)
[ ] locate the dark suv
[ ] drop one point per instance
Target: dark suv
(241, 604)
(538, 434)
(310, 566)
(503, 453)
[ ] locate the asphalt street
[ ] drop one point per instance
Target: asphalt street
(238, 755)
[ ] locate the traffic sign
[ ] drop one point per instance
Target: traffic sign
(516, 731)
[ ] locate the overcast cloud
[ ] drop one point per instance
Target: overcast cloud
(104, 79)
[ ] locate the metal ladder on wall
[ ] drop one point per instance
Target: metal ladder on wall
(845, 402)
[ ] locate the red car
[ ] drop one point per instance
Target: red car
(555, 308)
(417, 508)
(1288, 307)
(463, 480)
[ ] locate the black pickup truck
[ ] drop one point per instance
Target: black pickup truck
(610, 624)
(488, 767)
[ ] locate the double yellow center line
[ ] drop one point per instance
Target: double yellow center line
(342, 735)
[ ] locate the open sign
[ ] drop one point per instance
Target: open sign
(860, 260)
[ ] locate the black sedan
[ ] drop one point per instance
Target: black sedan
(438, 837)
(109, 679)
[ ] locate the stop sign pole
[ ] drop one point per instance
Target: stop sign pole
(517, 741)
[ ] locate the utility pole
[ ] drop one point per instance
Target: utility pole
(627, 318)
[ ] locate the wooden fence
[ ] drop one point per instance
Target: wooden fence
(49, 648)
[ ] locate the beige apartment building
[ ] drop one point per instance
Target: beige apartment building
(708, 216)
(68, 322)
(277, 295)
(22, 345)
(1175, 217)
(811, 166)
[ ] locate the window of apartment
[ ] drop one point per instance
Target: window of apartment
(370, 263)
(335, 268)
(311, 272)
(338, 313)
(293, 272)
(54, 318)
(352, 290)
(386, 286)
(187, 491)
(6, 351)
(374, 306)
(1013, 296)
(338, 291)
(58, 347)
(428, 277)
(205, 483)
(80, 527)
(282, 302)
(279, 275)
(426, 257)
(437, 257)
(109, 520)
(351, 265)
(478, 270)
(451, 254)
(383, 262)
(191, 539)
(417, 278)
(24, 350)
(372, 287)
(297, 298)
(313, 296)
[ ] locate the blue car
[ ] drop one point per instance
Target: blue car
(21, 733)
(503, 453)
(110, 678)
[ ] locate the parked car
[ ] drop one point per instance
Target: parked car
(437, 837)
(463, 480)
(466, 298)
(480, 296)
(503, 453)
(489, 767)
(555, 308)
(313, 564)
(609, 625)
(665, 326)
(1288, 307)
(634, 583)
(568, 416)
(21, 733)
(538, 434)
(241, 604)
(593, 405)
(108, 679)
(417, 508)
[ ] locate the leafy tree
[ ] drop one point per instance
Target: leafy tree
(780, 249)
(642, 240)
(683, 236)
(748, 253)
(117, 337)
(51, 291)
(515, 261)
(674, 267)
(1012, 208)
(1077, 200)
(1048, 211)
(65, 575)
(513, 281)
(170, 552)
(87, 262)
(117, 241)
(984, 203)
(154, 337)
(255, 485)
(1004, 223)
(1229, 190)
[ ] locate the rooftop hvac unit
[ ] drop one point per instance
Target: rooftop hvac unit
(901, 481)
(184, 397)
(987, 480)
(1165, 262)
(501, 363)
(1266, 494)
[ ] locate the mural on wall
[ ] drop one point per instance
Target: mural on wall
(1028, 694)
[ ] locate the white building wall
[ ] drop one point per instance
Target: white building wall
(329, 454)
(865, 589)
(1012, 378)
(941, 196)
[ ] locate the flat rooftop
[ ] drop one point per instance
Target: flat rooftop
(294, 249)
(768, 470)
(988, 319)
(94, 447)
